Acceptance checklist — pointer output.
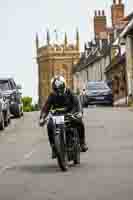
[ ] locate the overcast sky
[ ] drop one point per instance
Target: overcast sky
(21, 19)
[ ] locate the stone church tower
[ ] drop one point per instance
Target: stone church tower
(54, 59)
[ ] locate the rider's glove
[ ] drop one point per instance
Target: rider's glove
(79, 115)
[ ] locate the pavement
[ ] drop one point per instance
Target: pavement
(28, 173)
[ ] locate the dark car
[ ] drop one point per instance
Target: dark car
(12, 93)
(4, 111)
(97, 92)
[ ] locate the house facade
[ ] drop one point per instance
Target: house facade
(97, 54)
(92, 68)
(120, 69)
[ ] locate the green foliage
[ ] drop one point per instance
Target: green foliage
(28, 106)
(27, 101)
(27, 109)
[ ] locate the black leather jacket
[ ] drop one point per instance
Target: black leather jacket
(68, 101)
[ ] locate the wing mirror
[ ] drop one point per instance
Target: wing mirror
(19, 87)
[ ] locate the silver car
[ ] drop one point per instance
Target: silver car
(12, 92)
(4, 111)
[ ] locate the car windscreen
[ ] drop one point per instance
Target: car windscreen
(4, 85)
(97, 86)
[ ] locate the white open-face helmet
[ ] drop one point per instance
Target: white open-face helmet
(58, 84)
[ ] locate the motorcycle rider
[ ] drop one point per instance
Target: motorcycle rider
(62, 97)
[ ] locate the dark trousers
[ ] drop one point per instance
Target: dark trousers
(79, 125)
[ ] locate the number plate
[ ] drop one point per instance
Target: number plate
(58, 119)
(100, 98)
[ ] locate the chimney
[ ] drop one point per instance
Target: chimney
(114, 2)
(100, 23)
(95, 13)
(37, 41)
(118, 12)
(99, 13)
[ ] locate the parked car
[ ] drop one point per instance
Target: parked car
(1, 117)
(4, 111)
(97, 92)
(12, 92)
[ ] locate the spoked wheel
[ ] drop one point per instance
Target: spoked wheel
(76, 148)
(61, 152)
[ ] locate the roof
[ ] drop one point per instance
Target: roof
(117, 60)
(128, 28)
(85, 62)
(128, 18)
(5, 79)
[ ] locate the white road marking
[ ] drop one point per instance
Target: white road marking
(7, 167)
(26, 156)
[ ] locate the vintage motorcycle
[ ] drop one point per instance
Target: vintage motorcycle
(66, 138)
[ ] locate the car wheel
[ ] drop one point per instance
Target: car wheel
(2, 124)
(18, 112)
(6, 119)
(18, 115)
(22, 112)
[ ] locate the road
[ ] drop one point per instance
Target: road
(28, 173)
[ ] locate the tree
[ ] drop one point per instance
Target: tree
(27, 104)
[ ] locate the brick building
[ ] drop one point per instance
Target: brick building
(97, 56)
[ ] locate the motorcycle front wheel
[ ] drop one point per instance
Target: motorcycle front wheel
(61, 153)
(76, 147)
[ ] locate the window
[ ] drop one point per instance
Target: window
(12, 85)
(4, 85)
